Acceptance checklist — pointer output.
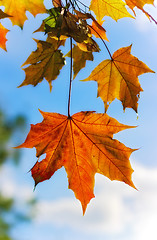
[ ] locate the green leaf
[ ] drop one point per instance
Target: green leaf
(53, 21)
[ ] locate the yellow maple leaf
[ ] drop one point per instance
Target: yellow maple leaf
(118, 78)
(112, 8)
(18, 9)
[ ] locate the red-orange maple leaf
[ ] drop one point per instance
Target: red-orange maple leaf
(3, 30)
(84, 145)
(3, 33)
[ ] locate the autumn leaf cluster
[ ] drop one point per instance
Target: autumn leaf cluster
(82, 143)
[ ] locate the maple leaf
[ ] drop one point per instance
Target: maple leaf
(54, 20)
(96, 28)
(98, 31)
(3, 32)
(52, 34)
(17, 9)
(63, 23)
(80, 57)
(140, 4)
(112, 8)
(84, 145)
(46, 62)
(88, 45)
(118, 78)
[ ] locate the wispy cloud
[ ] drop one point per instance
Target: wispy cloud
(116, 210)
(117, 213)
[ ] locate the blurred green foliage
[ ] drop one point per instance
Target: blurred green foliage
(7, 130)
(6, 205)
(10, 215)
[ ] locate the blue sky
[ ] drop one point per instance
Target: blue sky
(118, 212)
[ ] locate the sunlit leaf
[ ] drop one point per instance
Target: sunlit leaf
(3, 33)
(18, 9)
(112, 8)
(138, 3)
(118, 78)
(98, 31)
(84, 145)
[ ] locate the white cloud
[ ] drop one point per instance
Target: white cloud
(11, 187)
(116, 209)
(117, 213)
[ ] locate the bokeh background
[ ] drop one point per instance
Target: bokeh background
(51, 212)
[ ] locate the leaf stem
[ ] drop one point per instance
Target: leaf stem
(77, 5)
(72, 4)
(82, 4)
(71, 65)
(150, 17)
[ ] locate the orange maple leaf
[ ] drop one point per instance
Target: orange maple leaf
(3, 33)
(3, 30)
(139, 4)
(97, 30)
(118, 78)
(18, 9)
(84, 145)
